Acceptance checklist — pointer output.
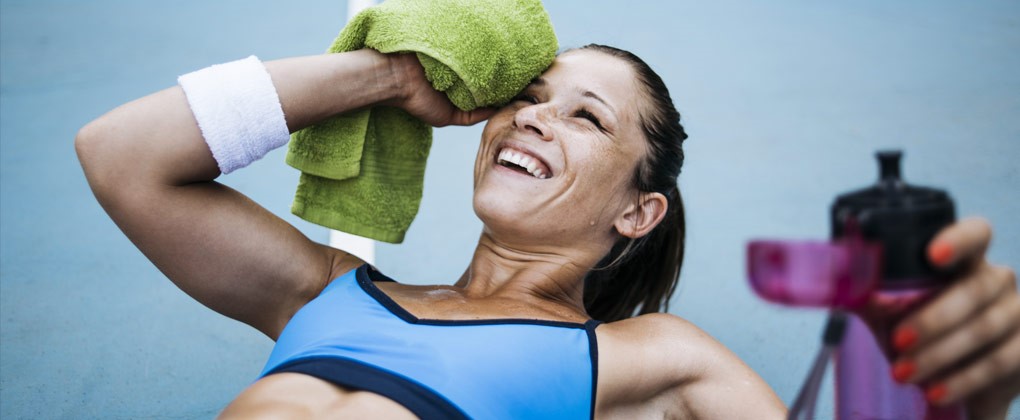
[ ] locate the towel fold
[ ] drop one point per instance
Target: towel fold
(363, 172)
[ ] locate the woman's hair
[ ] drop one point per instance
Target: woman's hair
(638, 276)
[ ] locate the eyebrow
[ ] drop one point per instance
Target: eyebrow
(592, 95)
(538, 81)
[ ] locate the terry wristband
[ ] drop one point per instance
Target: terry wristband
(238, 111)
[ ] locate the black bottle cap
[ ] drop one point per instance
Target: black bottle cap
(903, 218)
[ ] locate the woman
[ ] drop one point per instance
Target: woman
(590, 228)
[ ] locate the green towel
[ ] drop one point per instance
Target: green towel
(363, 172)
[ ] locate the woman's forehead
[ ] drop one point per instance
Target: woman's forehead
(610, 78)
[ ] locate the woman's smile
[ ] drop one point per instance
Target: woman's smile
(522, 162)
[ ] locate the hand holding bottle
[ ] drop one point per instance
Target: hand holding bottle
(922, 296)
(964, 345)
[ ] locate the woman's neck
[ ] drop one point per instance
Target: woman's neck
(537, 275)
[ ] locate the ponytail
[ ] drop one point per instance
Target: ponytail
(639, 275)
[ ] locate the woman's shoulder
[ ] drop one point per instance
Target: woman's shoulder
(664, 361)
(650, 353)
(656, 329)
(662, 339)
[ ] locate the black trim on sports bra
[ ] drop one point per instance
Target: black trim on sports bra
(366, 275)
(417, 398)
(593, 350)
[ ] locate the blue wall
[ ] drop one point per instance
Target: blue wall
(785, 103)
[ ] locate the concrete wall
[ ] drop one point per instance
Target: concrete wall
(785, 102)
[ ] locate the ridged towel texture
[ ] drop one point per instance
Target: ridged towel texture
(363, 172)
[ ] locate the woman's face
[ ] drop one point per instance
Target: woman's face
(556, 165)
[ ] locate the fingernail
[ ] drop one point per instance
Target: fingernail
(936, 393)
(903, 370)
(940, 252)
(904, 338)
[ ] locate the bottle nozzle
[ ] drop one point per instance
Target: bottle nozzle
(889, 164)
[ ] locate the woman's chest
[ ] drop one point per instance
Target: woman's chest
(485, 366)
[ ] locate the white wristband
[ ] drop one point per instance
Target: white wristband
(238, 111)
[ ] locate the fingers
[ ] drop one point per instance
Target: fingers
(955, 306)
(982, 349)
(990, 326)
(1001, 367)
(965, 240)
(966, 342)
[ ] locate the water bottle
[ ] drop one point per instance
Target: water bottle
(874, 268)
(903, 219)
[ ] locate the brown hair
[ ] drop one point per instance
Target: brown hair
(638, 276)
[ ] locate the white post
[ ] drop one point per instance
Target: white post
(362, 247)
(356, 6)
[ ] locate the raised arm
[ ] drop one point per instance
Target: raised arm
(151, 170)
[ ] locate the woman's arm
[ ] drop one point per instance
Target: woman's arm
(151, 170)
(666, 367)
(714, 383)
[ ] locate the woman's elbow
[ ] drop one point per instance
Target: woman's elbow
(93, 146)
(85, 142)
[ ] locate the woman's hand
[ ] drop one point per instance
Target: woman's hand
(419, 99)
(965, 344)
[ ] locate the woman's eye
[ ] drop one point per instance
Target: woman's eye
(526, 98)
(590, 117)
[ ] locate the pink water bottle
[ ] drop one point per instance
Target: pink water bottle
(903, 219)
(874, 269)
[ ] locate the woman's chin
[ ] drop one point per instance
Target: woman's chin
(497, 213)
(503, 200)
(507, 219)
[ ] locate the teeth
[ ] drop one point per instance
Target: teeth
(524, 161)
(531, 165)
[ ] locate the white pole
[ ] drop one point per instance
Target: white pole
(356, 6)
(361, 247)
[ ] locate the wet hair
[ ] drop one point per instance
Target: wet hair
(638, 276)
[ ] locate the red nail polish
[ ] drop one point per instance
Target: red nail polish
(903, 370)
(904, 338)
(936, 393)
(940, 252)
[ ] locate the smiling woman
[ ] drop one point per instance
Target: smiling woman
(556, 315)
(569, 177)
(645, 138)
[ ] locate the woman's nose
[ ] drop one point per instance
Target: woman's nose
(535, 118)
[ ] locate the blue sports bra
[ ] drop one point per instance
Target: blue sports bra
(355, 336)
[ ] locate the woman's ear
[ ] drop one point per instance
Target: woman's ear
(643, 216)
